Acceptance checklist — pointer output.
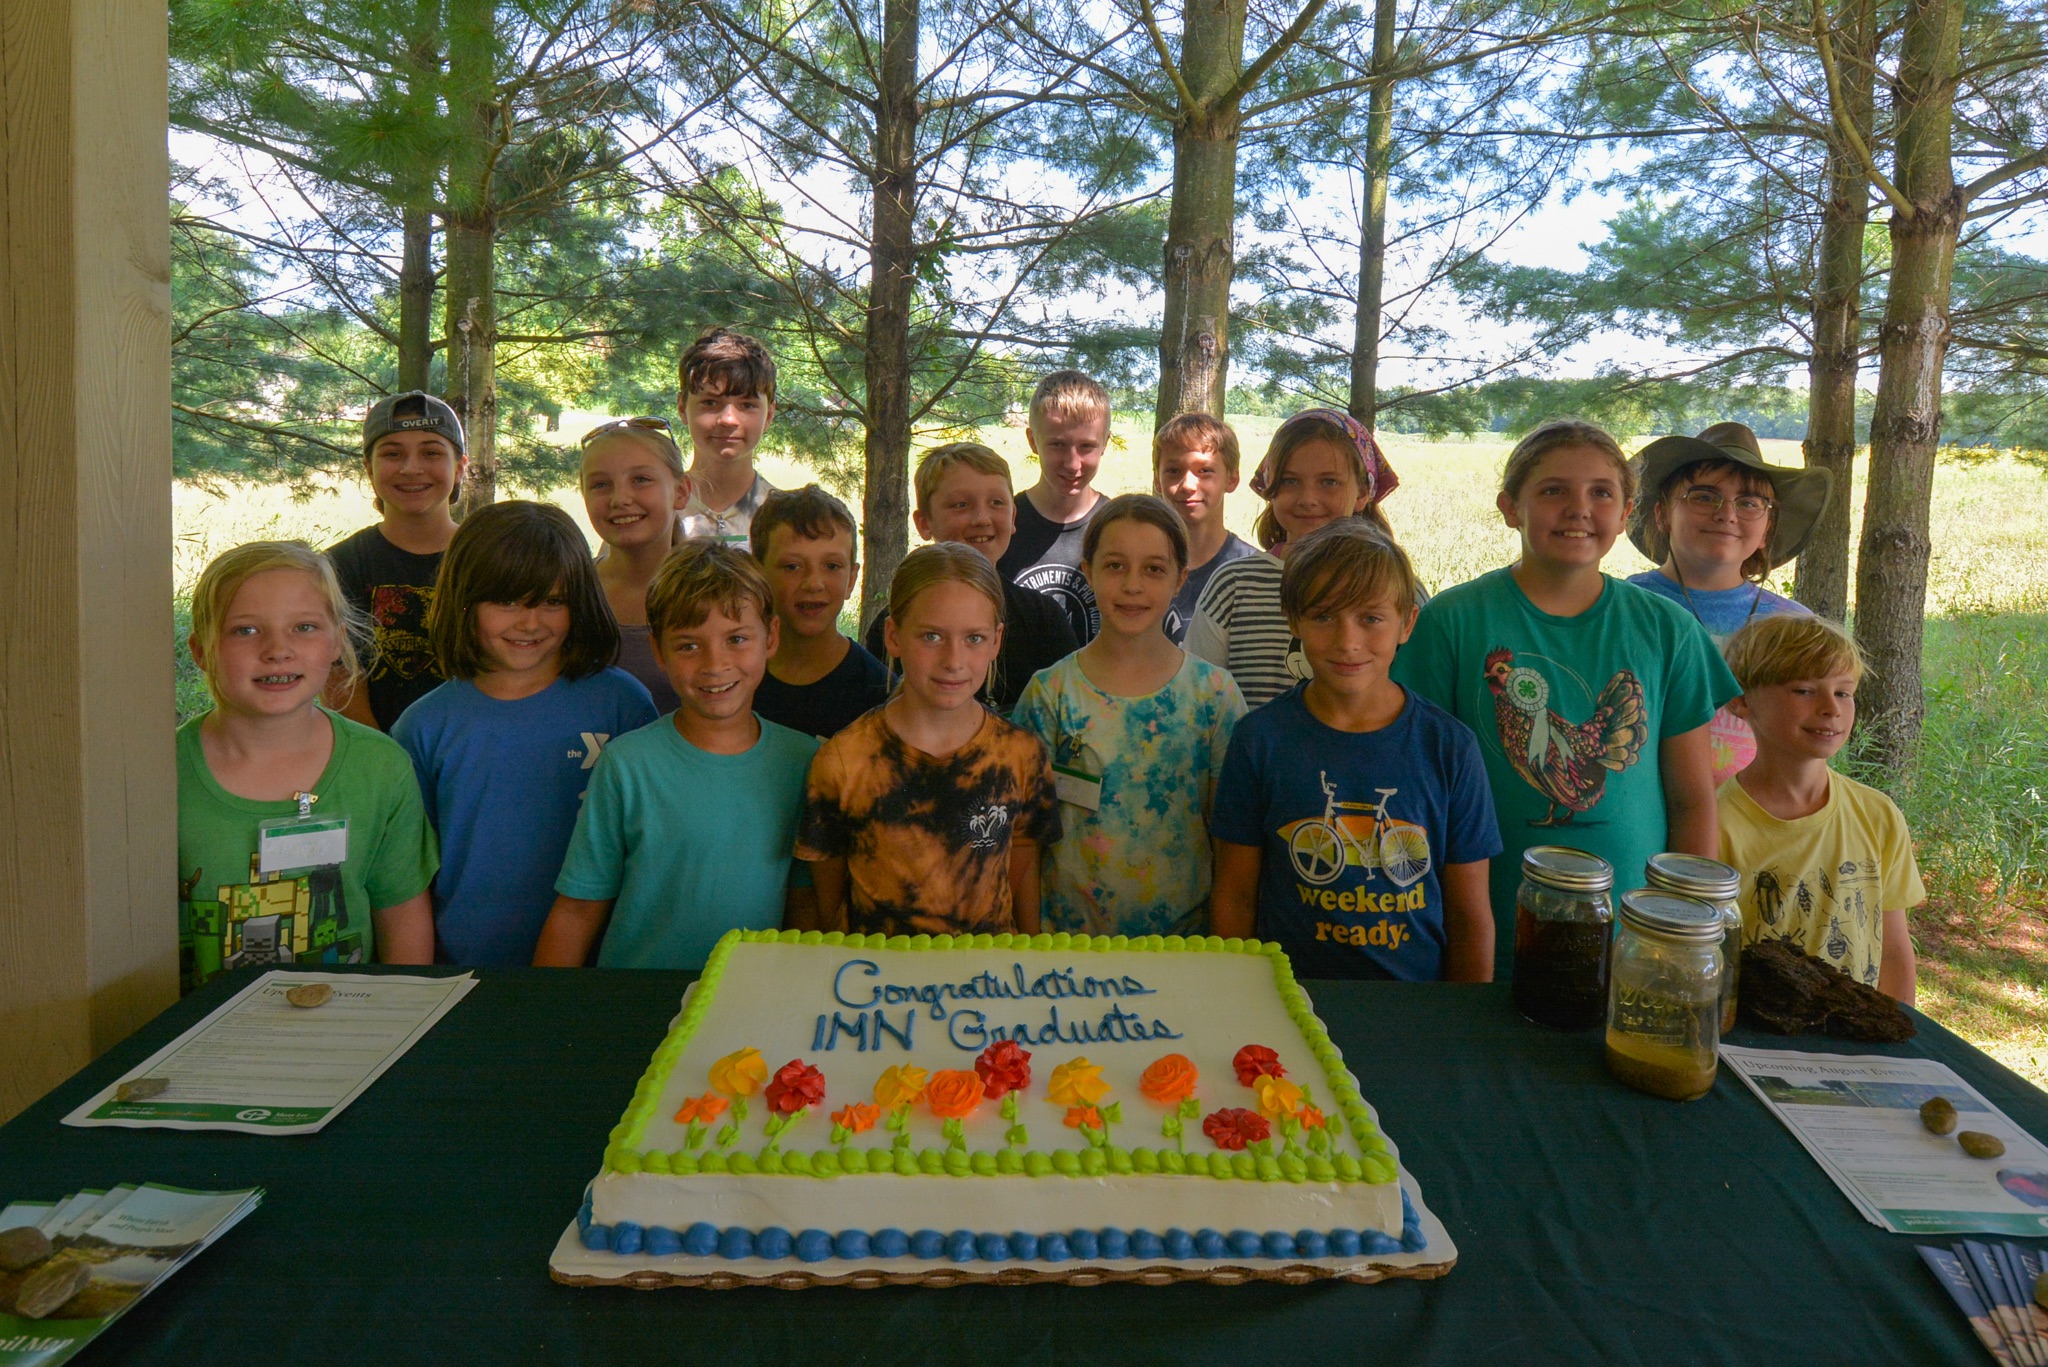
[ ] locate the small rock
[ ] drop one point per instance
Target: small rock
(141, 1088)
(46, 1289)
(1980, 1145)
(309, 995)
(22, 1246)
(1938, 1114)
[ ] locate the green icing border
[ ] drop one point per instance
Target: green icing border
(624, 1152)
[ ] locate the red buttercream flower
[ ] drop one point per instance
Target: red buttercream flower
(1255, 1061)
(1004, 1067)
(795, 1085)
(1234, 1127)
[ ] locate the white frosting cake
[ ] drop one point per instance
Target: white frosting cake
(997, 1099)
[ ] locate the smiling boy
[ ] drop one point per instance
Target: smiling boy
(727, 402)
(1068, 430)
(655, 868)
(1194, 464)
(1826, 862)
(964, 494)
(412, 453)
(1353, 820)
(818, 682)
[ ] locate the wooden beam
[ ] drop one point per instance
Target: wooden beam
(88, 793)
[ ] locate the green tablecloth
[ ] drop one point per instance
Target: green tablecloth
(1593, 1224)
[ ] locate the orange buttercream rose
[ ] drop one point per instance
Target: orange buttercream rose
(899, 1086)
(953, 1093)
(857, 1117)
(1277, 1096)
(1170, 1080)
(1077, 1082)
(1310, 1118)
(705, 1108)
(740, 1073)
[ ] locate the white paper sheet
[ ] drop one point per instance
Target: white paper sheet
(1859, 1116)
(263, 1066)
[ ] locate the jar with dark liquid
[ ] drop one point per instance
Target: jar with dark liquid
(1562, 920)
(1711, 881)
(1664, 1004)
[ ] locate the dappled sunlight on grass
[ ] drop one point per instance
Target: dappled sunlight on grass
(1984, 975)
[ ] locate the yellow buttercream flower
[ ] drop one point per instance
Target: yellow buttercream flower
(900, 1086)
(1077, 1082)
(1277, 1096)
(741, 1073)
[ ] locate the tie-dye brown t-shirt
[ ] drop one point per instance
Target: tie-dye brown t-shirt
(927, 841)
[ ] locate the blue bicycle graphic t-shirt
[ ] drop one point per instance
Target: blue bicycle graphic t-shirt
(1352, 829)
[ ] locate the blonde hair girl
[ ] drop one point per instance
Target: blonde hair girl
(926, 815)
(634, 489)
(270, 630)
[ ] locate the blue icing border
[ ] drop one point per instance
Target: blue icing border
(965, 1246)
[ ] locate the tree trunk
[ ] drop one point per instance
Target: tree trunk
(1372, 238)
(885, 500)
(416, 264)
(1891, 573)
(416, 299)
(1823, 576)
(1201, 225)
(472, 310)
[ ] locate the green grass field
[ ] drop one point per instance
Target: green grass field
(1978, 801)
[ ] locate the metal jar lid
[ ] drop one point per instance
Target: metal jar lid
(1671, 914)
(1693, 875)
(1567, 869)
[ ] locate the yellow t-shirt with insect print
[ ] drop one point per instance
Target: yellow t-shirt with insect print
(1823, 881)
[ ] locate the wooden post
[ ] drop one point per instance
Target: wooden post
(88, 794)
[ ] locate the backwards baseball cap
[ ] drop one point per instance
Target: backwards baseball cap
(413, 411)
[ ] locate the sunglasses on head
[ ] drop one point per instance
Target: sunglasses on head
(660, 425)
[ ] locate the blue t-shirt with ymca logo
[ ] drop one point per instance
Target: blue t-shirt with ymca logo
(1353, 829)
(502, 783)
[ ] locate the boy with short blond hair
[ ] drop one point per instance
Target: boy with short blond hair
(727, 400)
(655, 868)
(1067, 428)
(818, 682)
(1194, 464)
(964, 494)
(1826, 862)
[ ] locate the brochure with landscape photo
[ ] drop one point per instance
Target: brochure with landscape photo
(104, 1251)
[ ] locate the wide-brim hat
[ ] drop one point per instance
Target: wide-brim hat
(1801, 492)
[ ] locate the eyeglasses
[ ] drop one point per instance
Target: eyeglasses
(1710, 502)
(660, 425)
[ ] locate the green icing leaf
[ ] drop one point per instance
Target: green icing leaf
(1017, 1135)
(839, 1134)
(739, 1109)
(1171, 1126)
(728, 1133)
(1009, 1110)
(1191, 1108)
(1114, 1113)
(693, 1136)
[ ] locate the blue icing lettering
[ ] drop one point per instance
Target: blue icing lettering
(838, 990)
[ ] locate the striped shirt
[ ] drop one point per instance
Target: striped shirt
(1239, 625)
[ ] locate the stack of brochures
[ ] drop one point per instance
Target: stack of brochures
(1993, 1285)
(69, 1268)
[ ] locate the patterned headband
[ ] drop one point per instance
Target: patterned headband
(1380, 479)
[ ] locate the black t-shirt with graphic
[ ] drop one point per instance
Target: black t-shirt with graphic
(1045, 556)
(393, 588)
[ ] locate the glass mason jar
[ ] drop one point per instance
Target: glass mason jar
(1711, 881)
(1562, 920)
(1664, 997)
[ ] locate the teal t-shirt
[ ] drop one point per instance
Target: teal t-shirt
(1138, 862)
(232, 916)
(1570, 712)
(686, 844)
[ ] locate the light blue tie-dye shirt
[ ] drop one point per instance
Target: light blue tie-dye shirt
(1138, 864)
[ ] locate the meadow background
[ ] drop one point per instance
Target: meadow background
(1977, 800)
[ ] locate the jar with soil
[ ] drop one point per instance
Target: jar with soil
(1664, 994)
(1711, 881)
(1562, 919)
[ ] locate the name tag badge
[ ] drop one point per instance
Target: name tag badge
(294, 842)
(1083, 790)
